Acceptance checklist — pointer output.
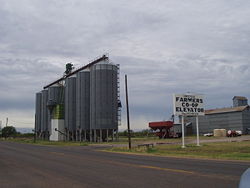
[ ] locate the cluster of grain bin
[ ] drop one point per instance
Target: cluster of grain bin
(89, 101)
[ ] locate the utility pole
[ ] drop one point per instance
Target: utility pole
(129, 135)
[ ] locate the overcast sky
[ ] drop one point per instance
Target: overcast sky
(164, 46)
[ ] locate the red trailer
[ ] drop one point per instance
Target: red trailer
(163, 129)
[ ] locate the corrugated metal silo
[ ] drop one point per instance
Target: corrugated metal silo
(55, 94)
(70, 105)
(83, 101)
(103, 100)
(44, 114)
(55, 97)
(38, 116)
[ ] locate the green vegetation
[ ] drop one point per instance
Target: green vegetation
(142, 133)
(9, 131)
(46, 142)
(124, 139)
(219, 150)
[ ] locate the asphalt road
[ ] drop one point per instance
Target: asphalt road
(24, 165)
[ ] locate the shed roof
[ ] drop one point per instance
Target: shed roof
(240, 97)
(226, 110)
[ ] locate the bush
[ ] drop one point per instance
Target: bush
(25, 135)
(8, 131)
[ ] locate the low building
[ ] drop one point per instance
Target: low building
(233, 118)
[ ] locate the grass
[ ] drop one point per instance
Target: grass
(122, 140)
(47, 143)
(221, 150)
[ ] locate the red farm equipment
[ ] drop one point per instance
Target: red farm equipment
(164, 129)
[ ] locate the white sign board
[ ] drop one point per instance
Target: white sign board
(188, 104)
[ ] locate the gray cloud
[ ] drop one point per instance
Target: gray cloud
(165, 47)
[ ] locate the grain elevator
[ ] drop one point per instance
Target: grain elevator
(83, 105)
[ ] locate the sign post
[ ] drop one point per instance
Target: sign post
(189, 105)
(197, 130)
(182, 131)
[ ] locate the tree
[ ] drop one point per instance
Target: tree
(125, 133)
(8, 131)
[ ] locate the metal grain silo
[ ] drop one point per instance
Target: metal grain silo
(103, 100)
(70, 107)
(55, 94)
(55, 97)
(44, 115)
(38, 115)
(83, 103)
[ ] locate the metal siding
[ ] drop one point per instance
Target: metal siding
(228, 121)
(44, 111)
(70, 103)
(55, 94)
(83, 100)
(38, 115)
(246, 120)
(103, 100)
(235, 121)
